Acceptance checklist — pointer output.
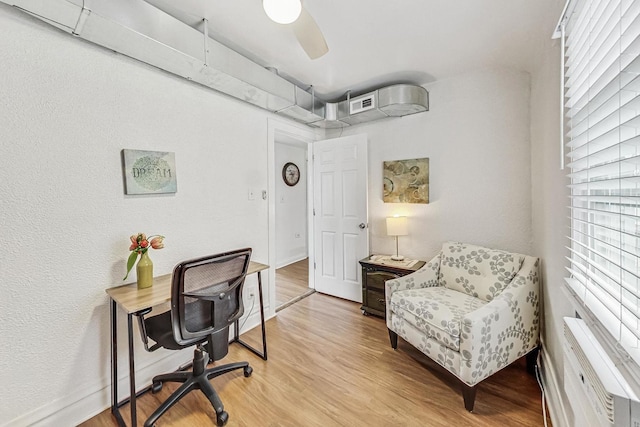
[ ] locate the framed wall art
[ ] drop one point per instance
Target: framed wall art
(149, 172)
(406, 181)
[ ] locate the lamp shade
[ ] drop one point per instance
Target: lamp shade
(282, 11)
(397, 226)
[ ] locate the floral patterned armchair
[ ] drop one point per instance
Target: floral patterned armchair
(471, 309)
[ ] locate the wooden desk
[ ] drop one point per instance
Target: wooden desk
(133, 300)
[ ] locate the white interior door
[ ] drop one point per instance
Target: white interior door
(341, 236)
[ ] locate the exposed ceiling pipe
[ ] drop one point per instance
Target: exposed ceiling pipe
(141, 31)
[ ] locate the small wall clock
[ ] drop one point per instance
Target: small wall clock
(290, 174)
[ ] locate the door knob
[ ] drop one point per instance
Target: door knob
(362, 225)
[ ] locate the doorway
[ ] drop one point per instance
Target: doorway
(333, 250)
(290, 242)
(292, 228)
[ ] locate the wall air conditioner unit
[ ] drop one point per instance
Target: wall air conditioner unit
(598, 393)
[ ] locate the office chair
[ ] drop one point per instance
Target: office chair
(206, 297)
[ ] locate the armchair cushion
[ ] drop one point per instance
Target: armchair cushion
(480, 272)
(436, 311)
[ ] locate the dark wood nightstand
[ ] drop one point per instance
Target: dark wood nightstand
(374, 274)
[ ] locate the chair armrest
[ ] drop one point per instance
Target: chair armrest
(504, 329)
(426, 277)
(143, 330)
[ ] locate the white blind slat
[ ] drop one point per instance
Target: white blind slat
(602, 122)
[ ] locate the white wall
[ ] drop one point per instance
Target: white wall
(67, 108)
(550, 217)
(291, 207)
(476, 136)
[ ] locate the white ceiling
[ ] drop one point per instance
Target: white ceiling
(380, 42)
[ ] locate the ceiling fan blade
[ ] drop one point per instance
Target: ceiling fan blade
(309, 35)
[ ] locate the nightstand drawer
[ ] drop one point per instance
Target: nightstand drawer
(374, 275)
(376, 301)
(376, 279)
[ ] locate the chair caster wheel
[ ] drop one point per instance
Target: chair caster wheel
(222, 418)
(248, 371)
(156, 387)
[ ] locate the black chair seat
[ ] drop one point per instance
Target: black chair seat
(159, 329)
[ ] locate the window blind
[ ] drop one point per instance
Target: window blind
(602, 141)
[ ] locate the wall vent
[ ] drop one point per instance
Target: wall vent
(359, 105)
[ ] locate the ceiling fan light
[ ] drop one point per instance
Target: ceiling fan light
(282, 11)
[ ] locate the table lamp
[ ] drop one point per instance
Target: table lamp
(397, 226)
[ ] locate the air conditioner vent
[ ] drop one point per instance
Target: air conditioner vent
(589, 376)
(600, 394)
(362, 104)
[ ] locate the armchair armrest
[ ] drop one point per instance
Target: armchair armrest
(504, 329)
(426, 277)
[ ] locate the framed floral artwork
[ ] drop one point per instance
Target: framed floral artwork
(406, 181)
(149, 172)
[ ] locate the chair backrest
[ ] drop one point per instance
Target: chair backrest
(206, 297)
(477, 271)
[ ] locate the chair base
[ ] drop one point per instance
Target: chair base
(469, 392)
(198, 379)
(393, 337)
(469, 396)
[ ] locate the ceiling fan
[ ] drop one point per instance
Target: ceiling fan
(291, 12)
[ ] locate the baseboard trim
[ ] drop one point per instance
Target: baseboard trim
(87, 402)
(553, 393)
(291, 260)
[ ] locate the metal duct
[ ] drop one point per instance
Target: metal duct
(402, 100)
(330, 120)
(141, 31)
(391, 101)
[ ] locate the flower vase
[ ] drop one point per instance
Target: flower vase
(144, 270)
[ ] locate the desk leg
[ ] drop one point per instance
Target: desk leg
(115, 410)
(115, 404)
(236, 335)
(132, 372)
(264, 332)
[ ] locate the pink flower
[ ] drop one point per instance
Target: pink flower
(140, 245)
(157, 242)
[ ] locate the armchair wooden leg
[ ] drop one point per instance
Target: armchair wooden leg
(469, 396)
(393, 337)
(532, 360)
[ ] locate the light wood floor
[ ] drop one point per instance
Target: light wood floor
(331, 366)
(292, 282)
